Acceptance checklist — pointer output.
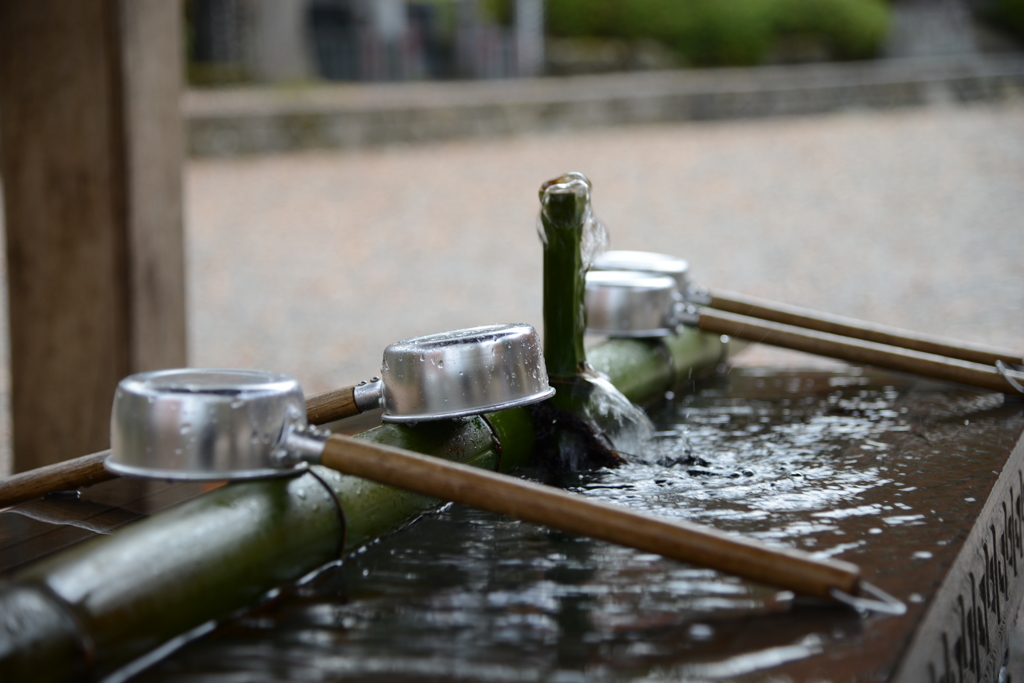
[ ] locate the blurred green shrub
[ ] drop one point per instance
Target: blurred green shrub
(585, 18)
(1007, 15)
(851, 29)
(726, 32)
(729, 32)
(497, 11)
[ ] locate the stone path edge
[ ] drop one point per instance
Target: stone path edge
(234, 121)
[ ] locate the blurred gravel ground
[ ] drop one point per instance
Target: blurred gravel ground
(311, 263)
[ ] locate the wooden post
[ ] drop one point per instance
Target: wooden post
(91, 140)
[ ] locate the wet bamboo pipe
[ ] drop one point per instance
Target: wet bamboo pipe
(853, 350)
(705, 546)
(858, 329)
(88, 469)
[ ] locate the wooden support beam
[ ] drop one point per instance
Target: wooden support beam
(91, 141)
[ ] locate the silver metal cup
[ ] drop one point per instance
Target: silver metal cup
(630, 304)
(203, 425)
(465, 372)
(209, 425)
(646, 262)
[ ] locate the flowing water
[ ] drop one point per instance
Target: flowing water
(805, 460)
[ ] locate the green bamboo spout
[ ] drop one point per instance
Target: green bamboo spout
(580, 426)
(565, 215)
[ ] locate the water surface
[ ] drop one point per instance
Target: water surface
(808, 460)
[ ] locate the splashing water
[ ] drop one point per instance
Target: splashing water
(625, 425)
(595, 234)
(602, 429)
(595, 239)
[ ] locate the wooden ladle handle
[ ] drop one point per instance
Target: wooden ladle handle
(70, 474)
(858, 329)
(857, 351)
(705, 546)
(331, 406)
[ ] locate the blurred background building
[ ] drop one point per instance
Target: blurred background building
(364, 40)
(395, 40)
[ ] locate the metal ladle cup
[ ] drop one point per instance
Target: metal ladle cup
(249, 424)
(465, 372)
(450, 374)
(204, 425)
(630, 304)
(439, 376)
(646, 262)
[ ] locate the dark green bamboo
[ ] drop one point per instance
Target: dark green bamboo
(585, 423)
(565, 204)
(644, 369)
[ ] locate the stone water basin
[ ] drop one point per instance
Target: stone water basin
(918, 482)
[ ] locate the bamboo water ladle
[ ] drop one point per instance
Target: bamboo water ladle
(824, 334)
(446, 375)
(87, 470)
(435, 376)
(161, 431)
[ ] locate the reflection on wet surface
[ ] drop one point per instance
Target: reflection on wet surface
(42, 527)
(846, 465)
